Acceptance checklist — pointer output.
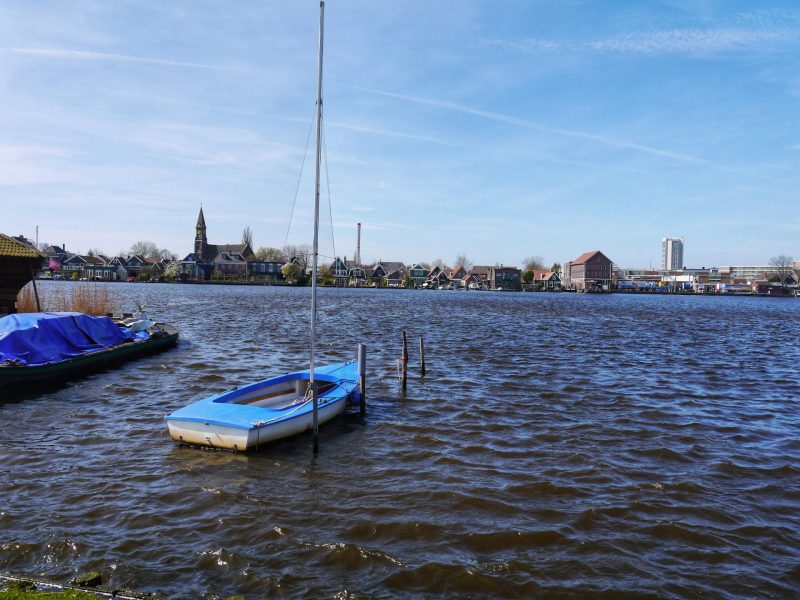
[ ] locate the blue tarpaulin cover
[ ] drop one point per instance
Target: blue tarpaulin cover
(40, 338)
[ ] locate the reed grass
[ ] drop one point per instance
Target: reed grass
(26, 300)
(91, 298)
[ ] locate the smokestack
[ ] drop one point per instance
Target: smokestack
(358, 244)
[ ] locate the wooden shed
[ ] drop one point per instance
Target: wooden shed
(18, 263)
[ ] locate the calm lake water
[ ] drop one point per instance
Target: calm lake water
(560, 445)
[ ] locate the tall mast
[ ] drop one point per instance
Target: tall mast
(314, 256)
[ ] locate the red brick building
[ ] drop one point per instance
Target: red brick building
(590, 272)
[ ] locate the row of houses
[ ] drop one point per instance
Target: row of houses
(591, 271)
(418, 275)
(238, 261)
(59, 263)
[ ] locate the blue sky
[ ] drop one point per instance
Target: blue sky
(497, 129)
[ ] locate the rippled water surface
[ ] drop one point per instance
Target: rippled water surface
(560, 445)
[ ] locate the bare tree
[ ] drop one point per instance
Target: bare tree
(270, 255)
(302, 252)
(532, 263)
(95, 252)
(465, 262)
(437, 262)
(145, 249)
(782, 266)
(247, 236)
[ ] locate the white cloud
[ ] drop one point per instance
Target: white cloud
(103, 56)
(672, 41)
(692, 41)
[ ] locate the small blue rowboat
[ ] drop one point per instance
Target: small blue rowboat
(267, 410)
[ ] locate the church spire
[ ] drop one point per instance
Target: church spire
(200, 239)
(201, 222)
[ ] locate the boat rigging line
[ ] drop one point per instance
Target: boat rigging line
(327, 185)
(328, 182)
(299, 178)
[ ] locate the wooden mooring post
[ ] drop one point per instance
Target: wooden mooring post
(421, 355)
(362, 379)
(404, 362)
(35, 291)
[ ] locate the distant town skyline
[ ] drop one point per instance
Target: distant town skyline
(451, 127)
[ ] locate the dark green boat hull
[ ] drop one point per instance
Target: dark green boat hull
(96, 361)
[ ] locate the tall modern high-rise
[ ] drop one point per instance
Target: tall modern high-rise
(672, 254)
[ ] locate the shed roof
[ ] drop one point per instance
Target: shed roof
(11, 247)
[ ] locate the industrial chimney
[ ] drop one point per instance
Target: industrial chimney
(358, 244)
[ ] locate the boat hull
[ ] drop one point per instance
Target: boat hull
(215, 435)
(246, 418)
(19, 375)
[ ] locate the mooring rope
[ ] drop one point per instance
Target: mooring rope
(390, 371)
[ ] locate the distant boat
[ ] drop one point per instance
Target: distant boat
(275, 408)
(40, 347)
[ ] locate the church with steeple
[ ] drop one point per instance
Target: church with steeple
(200, 239)
(222, 260)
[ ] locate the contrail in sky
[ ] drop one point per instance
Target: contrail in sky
(503, 118)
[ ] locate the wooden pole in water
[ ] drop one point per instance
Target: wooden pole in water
(362, 379)
(35, 291)
(422, 355)
(404, 360)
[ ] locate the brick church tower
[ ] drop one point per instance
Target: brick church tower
(200, 239)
